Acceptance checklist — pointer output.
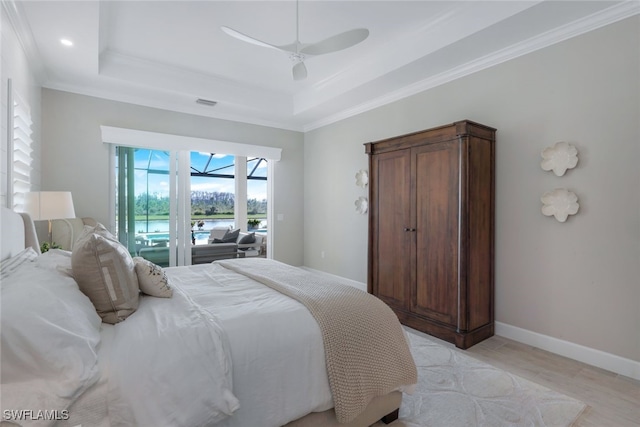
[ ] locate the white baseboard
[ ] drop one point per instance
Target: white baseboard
(591, 356)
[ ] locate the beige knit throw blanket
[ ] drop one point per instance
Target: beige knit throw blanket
(366, 352)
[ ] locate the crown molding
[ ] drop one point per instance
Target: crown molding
(146, 100)
(581, 26)
(16, 16)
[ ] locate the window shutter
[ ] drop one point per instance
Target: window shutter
(21, 154)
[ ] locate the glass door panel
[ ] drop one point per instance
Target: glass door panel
(143, 202)
(212, 194)
(257, 193)
(166, 202)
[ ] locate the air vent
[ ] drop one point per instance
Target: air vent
(206, 102)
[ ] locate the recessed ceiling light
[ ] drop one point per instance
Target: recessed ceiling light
(66, 42)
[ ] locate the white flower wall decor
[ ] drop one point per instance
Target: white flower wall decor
(559, 158)
(362, 178)
(560, 203)
(362, 205)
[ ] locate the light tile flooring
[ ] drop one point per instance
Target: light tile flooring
(614, 400)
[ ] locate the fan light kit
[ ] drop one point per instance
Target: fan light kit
(298, 51)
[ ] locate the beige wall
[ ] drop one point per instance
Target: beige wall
(14, 65)
(76, 159)
(577, 281)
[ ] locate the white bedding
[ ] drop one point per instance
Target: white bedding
(169, 363)
(258, 322)
(49, 334)
(261, 322)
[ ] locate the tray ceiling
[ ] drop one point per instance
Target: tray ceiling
(167, 54)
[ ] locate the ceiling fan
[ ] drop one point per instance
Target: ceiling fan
(298, 51)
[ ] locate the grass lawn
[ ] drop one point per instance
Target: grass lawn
(197, 217)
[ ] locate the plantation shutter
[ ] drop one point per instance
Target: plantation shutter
(21, 154)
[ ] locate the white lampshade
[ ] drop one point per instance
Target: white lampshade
(42, 205)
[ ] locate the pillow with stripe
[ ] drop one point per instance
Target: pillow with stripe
(13, 264)
(105, 273)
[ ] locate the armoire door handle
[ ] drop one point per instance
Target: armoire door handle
(409, 229)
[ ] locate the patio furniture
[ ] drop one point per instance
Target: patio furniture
(250, 243)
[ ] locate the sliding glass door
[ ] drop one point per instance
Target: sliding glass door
(166, 201)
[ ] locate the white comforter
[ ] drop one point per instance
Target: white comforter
(169, 364)
(279, 371)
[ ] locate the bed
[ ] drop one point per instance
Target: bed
(239, 343)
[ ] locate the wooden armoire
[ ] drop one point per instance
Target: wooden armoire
(431, 227)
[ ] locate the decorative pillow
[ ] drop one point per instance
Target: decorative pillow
(248, 238)
(105, 272)
(10, 265)
(98, 229)
(231, 236)
(152, 278)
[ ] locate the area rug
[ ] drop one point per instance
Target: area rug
(457, 390)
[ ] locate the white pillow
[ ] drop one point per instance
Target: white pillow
(56, 259)
(13, 264)
(50, 332)
(105, 272)
(152, 278)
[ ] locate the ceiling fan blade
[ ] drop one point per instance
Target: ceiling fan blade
(338, 42)
(292, 48)
(245, 38)
(299, 71)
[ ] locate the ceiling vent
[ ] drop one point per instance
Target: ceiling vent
(206, 102)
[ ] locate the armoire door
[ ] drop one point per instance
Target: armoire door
(390, 215)
(435, 172)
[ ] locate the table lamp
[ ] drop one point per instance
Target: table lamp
(49, 205)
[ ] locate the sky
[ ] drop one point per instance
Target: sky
(158, 183)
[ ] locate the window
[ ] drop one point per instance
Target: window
(144, 200)
(19, 153)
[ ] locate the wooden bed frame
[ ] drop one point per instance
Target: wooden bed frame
(18, 232)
